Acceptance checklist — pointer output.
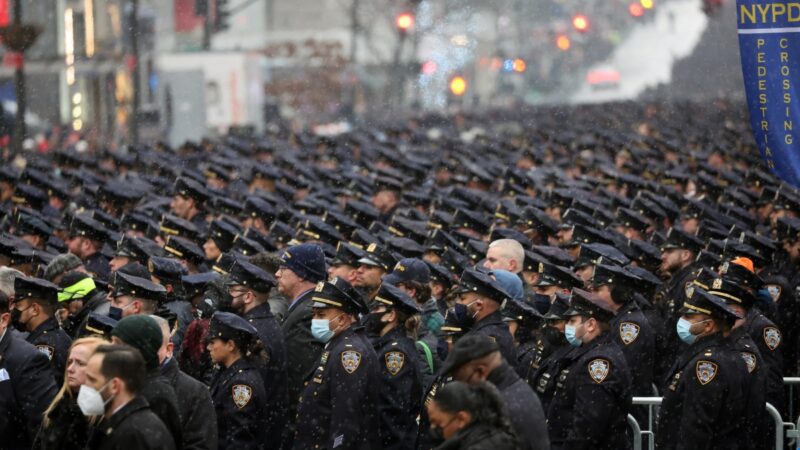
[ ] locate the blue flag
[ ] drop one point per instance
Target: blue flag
(769, 43)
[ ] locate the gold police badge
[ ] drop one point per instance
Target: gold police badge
(598, 370)
(750, 360)
(772, 337)
(705, 371)
(351, 359)
(242, 394)
(394, 362)
(628, 332)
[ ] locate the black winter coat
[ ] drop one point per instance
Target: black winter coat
(480, 437)
(524, 409)
(133, 427)
(198, 418)
(163, 402)
(26, 389)
(68, 428)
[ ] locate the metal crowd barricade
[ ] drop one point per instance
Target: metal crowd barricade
(649, 432)
(783, 429)
(790, 382)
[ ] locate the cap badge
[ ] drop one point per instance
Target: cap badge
(371, 248)
(319, 287)
(717, 284)
(689, 290)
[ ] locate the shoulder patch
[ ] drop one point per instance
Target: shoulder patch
(750, 360)
(242, 394)
(351, 359)
(46, 350)
(772, 337)
(395, 362)
(706, 371)
(628, 332)
(599, 369)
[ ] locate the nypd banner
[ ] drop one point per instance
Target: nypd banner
(769, 43)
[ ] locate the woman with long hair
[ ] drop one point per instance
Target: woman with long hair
(64, 425)
(394, 317)
(465, 417)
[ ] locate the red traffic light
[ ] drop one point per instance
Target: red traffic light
(404, 21)
(580, 22)
(636, 9)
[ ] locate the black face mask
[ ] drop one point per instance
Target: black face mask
(437, 435)
(115, 313)
(373, 324)
(16, 314)
(552, 336)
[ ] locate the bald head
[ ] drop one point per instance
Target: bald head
(505, 254)
(166, 342)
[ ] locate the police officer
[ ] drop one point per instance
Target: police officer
(188, 200)
(629, 328)
(390, 320)
(34, 312)
(249, 288)
(168, 273)
(478, 308)
(341, 395)
(765, 334)
(551, 347)
(238, 389)
(739, 299)
(86, 237)
(593, 390)
(705, 396)
(524, 322)
(27, 385)
(677, 261)
(132, 295)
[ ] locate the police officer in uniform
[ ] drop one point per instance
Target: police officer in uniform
(593, 390)
(480, 299)
(401, 377)
(34, 312)
(677, 261)
(341, 395)
(27, 385)
(705, 396)
(629, 328)
(249, 288)
(86, 237)
(757, 423)
(238, 389)
(551, 347)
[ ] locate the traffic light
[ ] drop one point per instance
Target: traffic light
(646, 4)
(458, 85)
(404, 22)
(636, 10)
(563, 43)
(580, 22)
(222, 16)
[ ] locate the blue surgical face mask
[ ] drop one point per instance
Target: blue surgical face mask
(570, 333)
(683, 327)
(321, 330)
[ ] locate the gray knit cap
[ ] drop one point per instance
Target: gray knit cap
(61, 264)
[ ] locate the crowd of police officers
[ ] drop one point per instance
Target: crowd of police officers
(492, 281)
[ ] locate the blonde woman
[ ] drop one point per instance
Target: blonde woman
(64, 425)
